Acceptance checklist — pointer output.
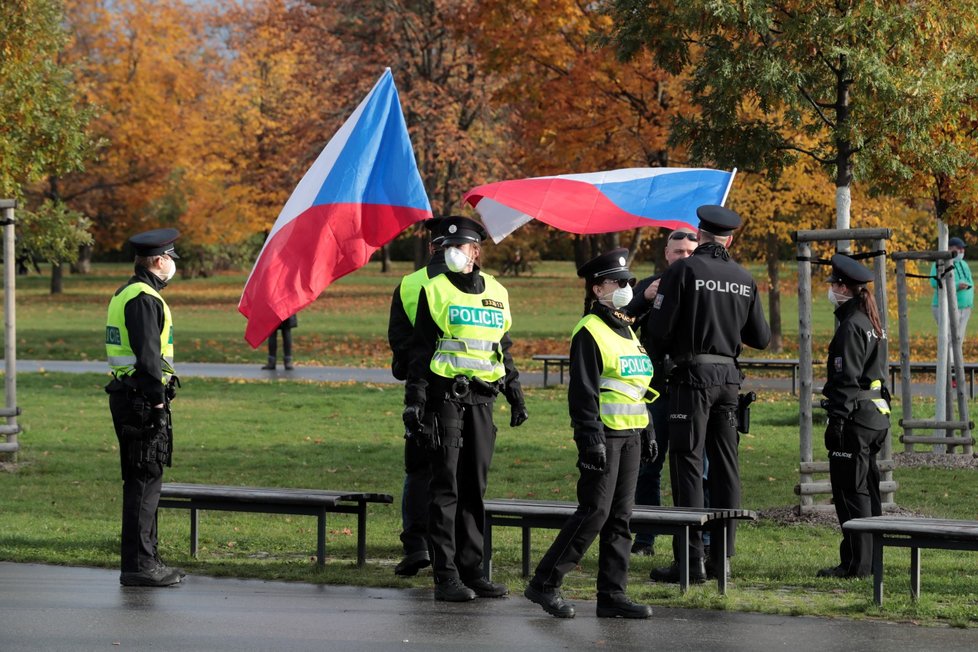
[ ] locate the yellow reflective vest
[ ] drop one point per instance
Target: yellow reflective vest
(118, 350)
(625, 376)
(410, 289)
(472, 327)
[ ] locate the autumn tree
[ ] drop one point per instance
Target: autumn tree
(831, 81)
(571, 105)
(42, 121)
(148, 66)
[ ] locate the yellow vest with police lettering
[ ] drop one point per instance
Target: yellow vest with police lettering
(118, 350)
(472, 326)
(625, 376)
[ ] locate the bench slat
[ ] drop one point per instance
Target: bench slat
(268, 494)
(897, 525)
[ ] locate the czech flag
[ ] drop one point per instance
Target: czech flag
(362, 191)
(601, 202)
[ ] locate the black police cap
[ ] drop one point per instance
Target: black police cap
(847, 271)
(455, 230)
(956, 242)
(612, 265)
(155, 243)
(717, 219)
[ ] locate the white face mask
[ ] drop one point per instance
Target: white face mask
(958, 255)
(456, 260)
(837, 299)
(619, 298)
(173, 270)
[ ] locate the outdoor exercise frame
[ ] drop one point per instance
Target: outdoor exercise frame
(10, 411)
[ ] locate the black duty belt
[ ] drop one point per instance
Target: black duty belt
(709, 358)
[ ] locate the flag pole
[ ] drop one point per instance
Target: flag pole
(733, 173)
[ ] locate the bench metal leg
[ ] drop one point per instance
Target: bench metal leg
(526, 552)
(684, 560)
(321, 538)
(915, 574)
(720, 562)
(487, 550)
(561, 373)
(193, 533)
(546, 368)
(794, 380)
(878, 570)
(362, 534)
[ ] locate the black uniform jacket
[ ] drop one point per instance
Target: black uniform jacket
(855, 361)
(399, 327)
(583, 389)
(641, 309)
(707, 304)
(144, 321)
(421, 382)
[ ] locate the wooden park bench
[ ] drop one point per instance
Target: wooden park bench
(303, 502)
(559, 360)
(931, 368)
(677, 521)
(913, 533)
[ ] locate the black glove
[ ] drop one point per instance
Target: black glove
(158, 422)
(519, 416)
(412, 420)
(650, 449)
(592, 458)
(171, 387)
(833, 434)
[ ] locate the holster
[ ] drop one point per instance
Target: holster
(743, 411)
(148, 444)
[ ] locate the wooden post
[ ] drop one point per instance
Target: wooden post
(879, 276)
(10, 328)
(805, 365)
(951, 287)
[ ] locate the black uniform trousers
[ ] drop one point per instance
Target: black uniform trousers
(605, 500)
(704, 419)
(141, 485)
(414, 498)
(459, 476)
(855, 479)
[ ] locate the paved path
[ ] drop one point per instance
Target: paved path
(56, 608)
(318, 373)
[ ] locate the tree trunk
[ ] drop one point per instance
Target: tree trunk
(385, 259)
(420, 253)
(774, 294)
(84, 263)
(634, 246)
(57, 278)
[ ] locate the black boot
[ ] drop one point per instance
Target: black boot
(551, 600)
(452, 590)
(271, 364)
(288, 363)
(617, 605)
(697, 572)
(157, 576)
(712, 565)
(487, 589)
(412, 563)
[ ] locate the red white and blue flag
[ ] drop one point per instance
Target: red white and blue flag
(601, 202)
(362, 191)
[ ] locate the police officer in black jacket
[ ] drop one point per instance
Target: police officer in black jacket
(417, 473)
(858, 406)
(706, 309)
(139, 347)
(459, 362)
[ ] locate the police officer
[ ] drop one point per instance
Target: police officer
(680, 244)
(139, 347)
(607, 396)
(706, 309)
(460, 361)
(417, 473)
(858, 407)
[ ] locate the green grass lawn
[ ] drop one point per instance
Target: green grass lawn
(61, 502)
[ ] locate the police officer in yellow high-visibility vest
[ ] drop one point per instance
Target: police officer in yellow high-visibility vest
(608, 396)
(417, 471)
(460, 361)
(858, 406)
(139, 347)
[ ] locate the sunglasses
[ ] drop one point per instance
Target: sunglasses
(682, 235)
(622, 282)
